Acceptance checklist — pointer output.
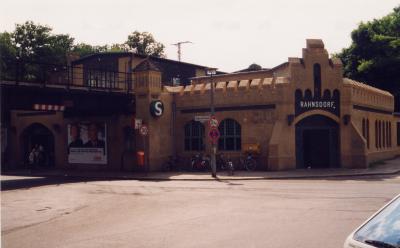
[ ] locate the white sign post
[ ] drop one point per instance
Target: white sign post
(138, 123)
(202, 118)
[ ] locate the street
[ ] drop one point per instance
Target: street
(227, 213)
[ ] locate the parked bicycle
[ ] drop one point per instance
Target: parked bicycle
(172, 164)
(248, 162)
(225, 163)
(200, 162)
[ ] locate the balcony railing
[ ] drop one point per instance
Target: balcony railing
(53, 75)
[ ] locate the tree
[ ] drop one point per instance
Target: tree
(83, 49)
(144, 43)
(8, 54)
(374, 55)
(254, 67)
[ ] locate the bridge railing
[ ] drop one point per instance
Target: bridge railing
(45, 74)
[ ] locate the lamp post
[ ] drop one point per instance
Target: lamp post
(211, 72)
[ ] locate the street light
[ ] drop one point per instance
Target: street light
(211, 72)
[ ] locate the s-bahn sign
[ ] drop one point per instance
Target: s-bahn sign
(306, 102)
(156, 108)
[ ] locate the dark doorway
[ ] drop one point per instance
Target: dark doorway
(317, 143)
(39, 135)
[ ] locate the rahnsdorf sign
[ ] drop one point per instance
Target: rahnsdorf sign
(329, 103)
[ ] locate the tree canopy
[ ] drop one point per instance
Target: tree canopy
(36, 42)
(144, 43)
(374, 55)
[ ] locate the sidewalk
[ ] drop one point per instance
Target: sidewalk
(388, 167)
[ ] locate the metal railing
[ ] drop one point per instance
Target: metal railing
(47, 75)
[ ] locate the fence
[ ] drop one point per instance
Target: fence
(64, 75)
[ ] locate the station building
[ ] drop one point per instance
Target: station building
(299, 114)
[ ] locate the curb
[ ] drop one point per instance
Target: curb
(94, 177)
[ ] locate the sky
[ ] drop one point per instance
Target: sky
(226, 34)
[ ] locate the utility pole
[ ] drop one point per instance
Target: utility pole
(178, 44)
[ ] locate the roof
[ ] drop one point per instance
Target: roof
(366, 86)
(244, 72)
(129, 54)
(146, 65)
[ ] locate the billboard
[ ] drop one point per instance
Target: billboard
(87, 143)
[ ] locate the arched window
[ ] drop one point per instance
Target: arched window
(376, 134)
(194, 134)
(327, 94)
(379, 134)
(231, 136)
(317, 80)
(308, 94)
(384, 134)
(390, 134)
(364, 128)
(368, 133)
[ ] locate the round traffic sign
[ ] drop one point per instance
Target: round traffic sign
(213, 122)
(144, 130)
(214, 135)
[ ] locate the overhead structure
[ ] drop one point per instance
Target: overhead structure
(178, 44)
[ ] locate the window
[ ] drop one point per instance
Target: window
(230, 139)
(398, 133)
(379, 134)
(194, 134)
(384, 134)
(367, 133)
(102, 79)
(383, 227)
(317, 80)
(376, 134)
(365, 130)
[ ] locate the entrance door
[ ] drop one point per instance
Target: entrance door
(317, 142)
(39, 135)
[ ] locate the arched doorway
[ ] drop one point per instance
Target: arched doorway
(317, 142)
(38, 134)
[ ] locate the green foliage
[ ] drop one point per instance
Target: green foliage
(374, 55)
(254, 67)
(144, 43)
(83, 49)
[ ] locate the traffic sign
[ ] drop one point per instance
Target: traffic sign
(213, 122)
(214, 135)
(144, 130)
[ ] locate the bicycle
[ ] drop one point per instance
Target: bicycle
(225, 164)
(200, 162)
(249, 162)
(172, 164)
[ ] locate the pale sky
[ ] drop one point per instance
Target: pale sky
(227, 34)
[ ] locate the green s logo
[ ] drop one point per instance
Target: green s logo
(156, 108)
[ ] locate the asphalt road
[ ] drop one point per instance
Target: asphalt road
(43, 212)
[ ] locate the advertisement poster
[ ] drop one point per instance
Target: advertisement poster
(87, 143)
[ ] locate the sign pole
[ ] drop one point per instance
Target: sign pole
(213, 147)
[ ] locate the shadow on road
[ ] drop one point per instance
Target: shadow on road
(12, 181)
(33, 181)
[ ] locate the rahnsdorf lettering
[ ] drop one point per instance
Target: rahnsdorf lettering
(318, 104)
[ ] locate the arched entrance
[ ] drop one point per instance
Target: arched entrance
(38, 134)
(317, 142)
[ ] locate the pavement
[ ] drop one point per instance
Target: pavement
(49, 212)
(387, 167)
